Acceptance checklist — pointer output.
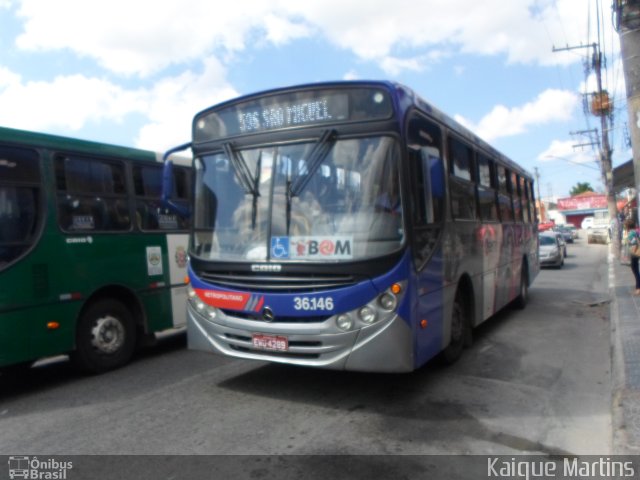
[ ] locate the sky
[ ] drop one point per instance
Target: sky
(135, 72)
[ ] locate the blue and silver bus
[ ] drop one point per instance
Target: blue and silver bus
(350, 225)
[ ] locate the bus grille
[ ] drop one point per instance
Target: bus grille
(305, 356)
(277, 319)
(279, 283)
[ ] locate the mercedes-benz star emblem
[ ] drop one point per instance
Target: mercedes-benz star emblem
(268, 315)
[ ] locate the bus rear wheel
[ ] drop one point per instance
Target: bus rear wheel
(105, 337)
(460, 334)
(523, 296)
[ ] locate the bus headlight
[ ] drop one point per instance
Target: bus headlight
(379, 309)
(367, 315)
(388, 301)
(344, 322)
(201, 307)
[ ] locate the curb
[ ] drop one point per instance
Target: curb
(625, 397)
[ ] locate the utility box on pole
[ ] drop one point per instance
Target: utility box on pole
(601, 103)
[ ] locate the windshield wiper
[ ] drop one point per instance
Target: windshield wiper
(241, 169)
(251, 183)
(320, 150)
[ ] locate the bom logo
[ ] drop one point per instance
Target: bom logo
(318, 247)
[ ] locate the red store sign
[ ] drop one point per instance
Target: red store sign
(582, 203)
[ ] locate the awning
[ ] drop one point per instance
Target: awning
(585, 211)
(623, 177)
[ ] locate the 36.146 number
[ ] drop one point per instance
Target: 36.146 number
(313, 303)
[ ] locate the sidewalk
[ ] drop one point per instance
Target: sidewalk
(625, 356)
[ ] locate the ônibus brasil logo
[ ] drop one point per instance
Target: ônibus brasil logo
(33, 468)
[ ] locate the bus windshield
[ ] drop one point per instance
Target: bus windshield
(324, 200)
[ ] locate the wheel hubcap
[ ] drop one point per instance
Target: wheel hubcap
(107, 334)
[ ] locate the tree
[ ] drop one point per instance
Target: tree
(580, 187)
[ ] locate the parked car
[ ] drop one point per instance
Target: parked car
(598, 231)
(544, 226)
(561, 242)
(587, 223)
(575, 233)
(551, 252)
(566, 233)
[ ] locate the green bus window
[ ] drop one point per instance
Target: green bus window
(20, 210)
(91, 195)
(150, 215)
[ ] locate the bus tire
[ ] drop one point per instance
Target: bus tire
(523, 296)
(460, 333)
(105, 337)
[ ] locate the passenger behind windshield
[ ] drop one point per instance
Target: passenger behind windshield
(352, 196)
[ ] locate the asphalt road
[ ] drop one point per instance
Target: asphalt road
(535, 381)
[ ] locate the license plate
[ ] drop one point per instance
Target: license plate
(270, 342)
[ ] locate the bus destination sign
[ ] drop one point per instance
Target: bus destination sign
(297, 114)
(289, 110)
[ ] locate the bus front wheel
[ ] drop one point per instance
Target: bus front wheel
(105, 336)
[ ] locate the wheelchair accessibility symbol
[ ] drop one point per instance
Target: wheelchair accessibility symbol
(279, 247)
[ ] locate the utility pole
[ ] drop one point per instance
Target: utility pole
(601, 106)
(627, 23)
(543, 215)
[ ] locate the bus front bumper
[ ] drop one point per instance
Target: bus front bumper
(386, 346)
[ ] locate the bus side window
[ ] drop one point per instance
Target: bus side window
(517, 200)
(20, 207)
(182, 187)
(147, 181)
(532, 202)
(504, 195)
(433, 173)
(150, 215)
(461, 181)
(91, 194)
(425, 149)
(522, 187)
(486, 189)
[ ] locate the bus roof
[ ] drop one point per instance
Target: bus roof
(43, 140)
(404, 99)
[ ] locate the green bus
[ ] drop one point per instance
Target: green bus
(92, 264)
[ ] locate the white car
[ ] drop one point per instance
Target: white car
(587, 223)
(551, 253)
